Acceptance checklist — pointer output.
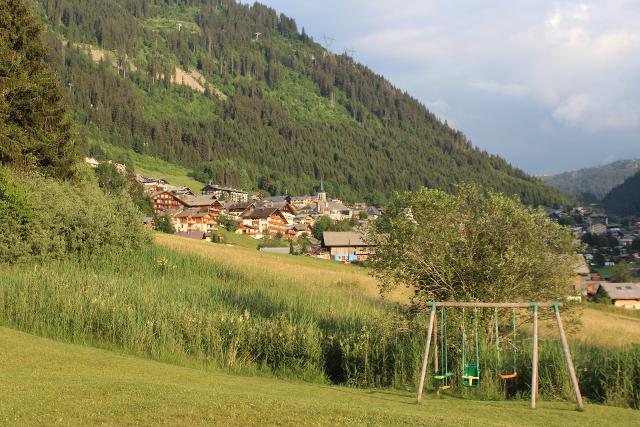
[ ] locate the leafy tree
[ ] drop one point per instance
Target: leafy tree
(321, 225)
(34, 128)
(602, 297)
(109, 179)
(635, 245)
(228, 223)
(622, 273)
(164, 224)
(471, 246)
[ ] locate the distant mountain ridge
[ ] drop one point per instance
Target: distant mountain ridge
(597, 181)
(624, 200)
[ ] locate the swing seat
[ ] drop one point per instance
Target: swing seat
(471, 375)
(443, 376)
(444, 387)
(507, 376)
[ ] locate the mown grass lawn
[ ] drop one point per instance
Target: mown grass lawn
(44, 382)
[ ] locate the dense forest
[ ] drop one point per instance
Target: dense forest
(591, 184)
(624, 200)
(262, 106)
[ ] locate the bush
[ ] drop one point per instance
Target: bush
(164, 224)
(43, 217)
(228, 223)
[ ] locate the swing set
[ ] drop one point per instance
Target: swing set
(470, 374)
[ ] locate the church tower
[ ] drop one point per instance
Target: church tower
(323, 207)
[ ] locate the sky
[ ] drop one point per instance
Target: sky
(550, 86)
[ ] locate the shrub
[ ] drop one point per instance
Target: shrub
(43, 217)
(164, 224)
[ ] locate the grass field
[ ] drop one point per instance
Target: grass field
(155, 167)
(316, 272)
(45, 382)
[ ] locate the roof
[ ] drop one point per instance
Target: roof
(621, 291)
(197, 200)
(277, 199)
(343, 238)
(336, 206)
(581, 266)
(261, 213)
(373, 211)
(299, 227)
(213, 187)
(282, 205)
(239, 206)
(281, 251)
(193, 212)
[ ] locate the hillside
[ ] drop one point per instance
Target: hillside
(596, 181)
(625, 198)
(242, 96)
(101, 387)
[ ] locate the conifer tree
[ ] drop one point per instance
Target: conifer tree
(34, 128)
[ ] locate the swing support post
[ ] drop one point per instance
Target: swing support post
(534, 368)
(567, 357)
(425, 361)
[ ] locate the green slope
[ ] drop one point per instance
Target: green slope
(625, 198)
(274, 113)
(46, 382)
(597, 181)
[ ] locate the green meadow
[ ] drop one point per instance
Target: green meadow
(46, 382)
(230, 310)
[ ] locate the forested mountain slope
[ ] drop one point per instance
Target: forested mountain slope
(624, 199)
(596, 181)
(242, 96)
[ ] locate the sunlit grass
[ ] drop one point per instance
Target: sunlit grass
(100, 387)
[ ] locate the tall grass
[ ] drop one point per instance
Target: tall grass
(184, 309)
(181, 308)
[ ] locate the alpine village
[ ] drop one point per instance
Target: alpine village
(209, 217)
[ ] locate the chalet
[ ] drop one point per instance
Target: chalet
(599, 229)
(261, 222)
(149, 222)
(626, 295)
(235, 210)
(346, 246)
(195, 219)
(373, 212)
(283, 205)
(179, 190)
(152, 185)
(224, 193)
(302, 201)
(298, 230)
(164, 200)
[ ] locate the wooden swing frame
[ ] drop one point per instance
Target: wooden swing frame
(534, 306)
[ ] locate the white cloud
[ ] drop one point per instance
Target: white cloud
(508, 89)
(572, 110)
(569, 65)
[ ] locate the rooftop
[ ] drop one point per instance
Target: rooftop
(343, 238)
(622, 291)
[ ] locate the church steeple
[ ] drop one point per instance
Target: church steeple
(322, 204)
